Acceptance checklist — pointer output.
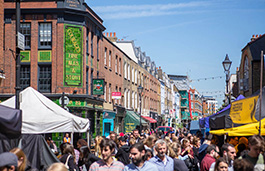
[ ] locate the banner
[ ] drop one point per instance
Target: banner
(243, 111)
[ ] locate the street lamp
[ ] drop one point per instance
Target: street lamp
(140, 91)
(227, 64)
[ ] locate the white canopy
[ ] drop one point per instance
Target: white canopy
(41, 115)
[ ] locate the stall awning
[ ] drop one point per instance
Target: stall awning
(149, 119)
(131, 120)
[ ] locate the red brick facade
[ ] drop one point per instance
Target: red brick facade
(1, 32)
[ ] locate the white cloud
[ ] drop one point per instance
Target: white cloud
(135, 11)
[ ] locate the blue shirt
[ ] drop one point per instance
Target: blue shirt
(160, 164)
(147, 166)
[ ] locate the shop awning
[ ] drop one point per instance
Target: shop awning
(149, 119)
(131, 120)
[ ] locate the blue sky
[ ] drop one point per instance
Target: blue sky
(187, 37)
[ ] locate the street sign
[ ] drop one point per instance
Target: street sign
(20, 41)
(66, 100)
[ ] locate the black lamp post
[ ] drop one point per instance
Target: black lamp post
(227, 64)
(140, 91)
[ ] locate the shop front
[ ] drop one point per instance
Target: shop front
(151, 121)
(108, 122)
(132, 120)
(119, 119)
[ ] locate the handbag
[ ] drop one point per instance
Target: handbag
(66, 163)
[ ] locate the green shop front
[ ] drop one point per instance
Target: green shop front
(131, 120)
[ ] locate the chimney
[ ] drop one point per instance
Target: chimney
(253, 38)
(113, 37)
(110, 34)
(104, 34)
(107, 34)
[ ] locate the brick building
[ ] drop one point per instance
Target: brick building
(2, 75)
(248, 76)
(63, 51)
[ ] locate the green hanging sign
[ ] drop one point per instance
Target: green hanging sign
(98, 86)
(73, 59)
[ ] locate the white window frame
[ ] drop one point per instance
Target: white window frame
(132, 75)
(125, 70)
(105, 56)
(110, 59)
(128, 72)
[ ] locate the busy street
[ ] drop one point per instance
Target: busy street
(121, 85)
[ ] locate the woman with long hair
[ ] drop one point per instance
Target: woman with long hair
(68, 157)
(86, 157)
(23, 163)
(149, 142)
(98, 139)
(174, 151)
(57, 167)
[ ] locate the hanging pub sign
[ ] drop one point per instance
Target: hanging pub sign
(98, 86)
(73, 59)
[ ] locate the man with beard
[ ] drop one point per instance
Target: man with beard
(161, 160)
(137, 154)
(107, 147)
(211, 156)
(229, 154)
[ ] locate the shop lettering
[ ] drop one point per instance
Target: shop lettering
(73, 63)
(73, 40)
(72, 56)
(73, 77)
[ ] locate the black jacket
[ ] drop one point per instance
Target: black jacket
(123, 154)
(88, 161)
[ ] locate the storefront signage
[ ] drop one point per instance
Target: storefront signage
(73, 3)
(73, 59)
(129, 127)
(116, 95)
(98, 86)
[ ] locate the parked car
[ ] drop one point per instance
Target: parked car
(164, 128)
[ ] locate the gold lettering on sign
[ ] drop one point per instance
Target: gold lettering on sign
(72, 38)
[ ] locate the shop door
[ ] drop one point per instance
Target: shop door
(107, 128)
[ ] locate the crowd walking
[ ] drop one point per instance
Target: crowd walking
(157, 151)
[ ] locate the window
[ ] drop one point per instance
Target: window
(87, 80)
(125, 70)
(91, 44)
(133, 100)
(110, 59)
(120, 99)
(116, 63)
(45, 74)
(24, 76)
(25, 29)
(45, 35)
(105, 91)
(246, 75)
(105, 56)
(87, 39)
(109, 92)
(129, 99)
(119, 65)
(97, 47)
(132, 75)
(129, 72)
(125, 98)
(135, 76)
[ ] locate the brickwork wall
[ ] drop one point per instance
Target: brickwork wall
(108, 72)
(1, 34)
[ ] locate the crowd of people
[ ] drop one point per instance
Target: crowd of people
(157, 151)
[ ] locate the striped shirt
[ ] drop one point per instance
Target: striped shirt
(102, 166)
